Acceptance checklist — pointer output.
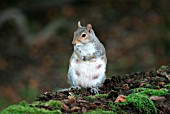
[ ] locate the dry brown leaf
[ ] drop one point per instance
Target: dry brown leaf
(120, 98)
(142, 84)
(94, 106)
(161, 83)
(65, 107)
(84, 109)
(155, 98)
(72, 101)
(81, 101)
(75, 108)
(70, 97)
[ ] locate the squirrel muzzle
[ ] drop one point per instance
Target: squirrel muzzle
(75, 42)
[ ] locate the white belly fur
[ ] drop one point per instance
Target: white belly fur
(87, 71)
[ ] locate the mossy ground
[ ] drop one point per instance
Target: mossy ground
(137, 87)
(142, 103)
(139, 99)
(26, 108)
(91, 97)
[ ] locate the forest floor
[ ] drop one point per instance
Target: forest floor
(137, 93)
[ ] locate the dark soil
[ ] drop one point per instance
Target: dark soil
(113, 86)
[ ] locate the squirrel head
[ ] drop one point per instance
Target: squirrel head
(83, 35)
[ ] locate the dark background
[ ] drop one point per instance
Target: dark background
(36, 36)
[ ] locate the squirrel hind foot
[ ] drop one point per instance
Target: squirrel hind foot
(94, 90)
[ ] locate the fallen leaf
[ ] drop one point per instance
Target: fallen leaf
(84, 109)
(155, 98)
(81, 101)
(142, 84)
(120, 98)
(70, 97)
(161, 84)
(65, 107)
(94, 106)
(72, 101)
(75, 108)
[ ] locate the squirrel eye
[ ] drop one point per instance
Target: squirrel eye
(83, 35)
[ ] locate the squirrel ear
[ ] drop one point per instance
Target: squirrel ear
(79, 24)
(89, 27)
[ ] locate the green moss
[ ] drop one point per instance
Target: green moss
(154, 92)
(38, 103)
(167, 86)
(100, 111)
(54, 103)
(97, 96)
(142, 103)
(25, 108)
(116, 108)
(140, 100)
(147, 85)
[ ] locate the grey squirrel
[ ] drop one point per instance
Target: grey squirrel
(87, 64)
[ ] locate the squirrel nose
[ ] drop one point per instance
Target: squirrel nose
(75, 42)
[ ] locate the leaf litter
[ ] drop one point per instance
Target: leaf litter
(155, 84)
